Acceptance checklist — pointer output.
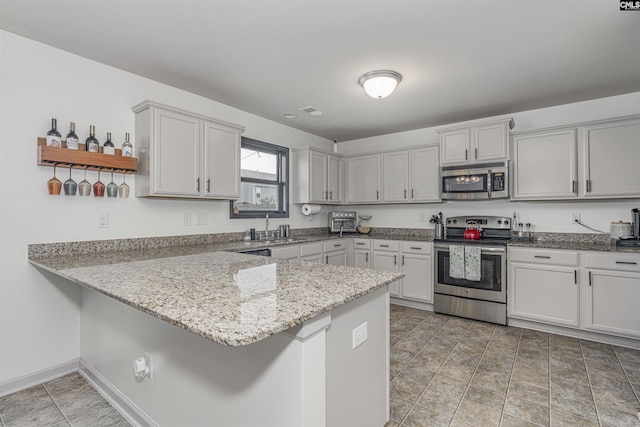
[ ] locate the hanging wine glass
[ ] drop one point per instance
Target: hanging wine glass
(70, 185)
(98, 187)
(84, 188)
(123, 190)
(54, 185)
(112, 187)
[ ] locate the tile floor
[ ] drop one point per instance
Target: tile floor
(448, 371)
(445, 371)
(66, 401)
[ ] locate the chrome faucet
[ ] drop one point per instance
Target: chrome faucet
(341, 228)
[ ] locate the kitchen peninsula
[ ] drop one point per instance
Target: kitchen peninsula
(258, 341)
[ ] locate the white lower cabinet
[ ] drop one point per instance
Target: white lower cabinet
(362, 253)
(385, 258)
(591, 291)
(311, 252)
(613, 293)
(417, 266)
(543, 286)
(335, 252)
(290, 252)
(414, 259)
(544, 293)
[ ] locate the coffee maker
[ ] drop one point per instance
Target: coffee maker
(634, 239)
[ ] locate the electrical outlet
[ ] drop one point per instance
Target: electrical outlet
(201, 218)
(359, 335)
(187, 219)
(103, 220)
(422, 217)
(575, 217)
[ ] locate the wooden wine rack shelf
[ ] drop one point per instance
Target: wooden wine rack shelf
(82, 159)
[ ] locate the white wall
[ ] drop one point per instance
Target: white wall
(39, 315)
(544, 216)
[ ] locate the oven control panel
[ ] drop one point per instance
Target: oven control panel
(493, 222)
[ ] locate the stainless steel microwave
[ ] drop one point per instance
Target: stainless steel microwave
(475, 182)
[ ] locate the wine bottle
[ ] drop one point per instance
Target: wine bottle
(72, 138)
(54, 139)
(93, 145)
(127, 148)
(108, 147)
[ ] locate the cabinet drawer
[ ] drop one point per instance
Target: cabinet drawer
(311, 249)
(544, 256)
(417, 248)
(334, 245)
(361, 244)
(386, 245)
(612, 261)
(285, 252)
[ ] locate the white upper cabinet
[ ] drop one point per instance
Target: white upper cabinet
(545, 165)
(364, 179)
(611, 152)
(185, 155)
(317, 177)
(395, 176)
(596, 160)
(424, 174)
(475, 144)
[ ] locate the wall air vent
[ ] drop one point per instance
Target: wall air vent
(312, 111)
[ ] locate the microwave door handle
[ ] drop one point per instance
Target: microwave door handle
(489, 181)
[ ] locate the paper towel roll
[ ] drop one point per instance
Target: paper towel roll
(310, 209)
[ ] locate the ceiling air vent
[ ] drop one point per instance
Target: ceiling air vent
(312, 111)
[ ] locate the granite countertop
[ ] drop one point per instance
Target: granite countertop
(229, 298)
(573, 245)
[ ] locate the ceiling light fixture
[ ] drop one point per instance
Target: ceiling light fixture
(380, 83)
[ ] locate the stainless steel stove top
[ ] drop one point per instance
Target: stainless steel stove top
(496, 230)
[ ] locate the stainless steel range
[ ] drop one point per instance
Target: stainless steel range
(471, 275)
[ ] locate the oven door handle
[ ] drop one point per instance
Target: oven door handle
(482, 248)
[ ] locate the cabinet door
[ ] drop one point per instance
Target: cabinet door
(222, 161)
(285, 252)
(336, 258)
(176, 154)
(610, 160)
(334, 178)
(612, 302)
(545, 165)
(363, 179)
(362, 258)
(424, 174)
(417, 283)
(543, 293)
(395, 176)
(317, 177)
(387, 261)
(312, 258)
(454, 146)
(490, 142)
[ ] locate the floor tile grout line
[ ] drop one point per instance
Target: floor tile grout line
(56, 405)
(593, 396)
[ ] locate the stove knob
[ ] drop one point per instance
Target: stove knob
(499, 221)
(448, 221)
(506, 222)
(455, 221)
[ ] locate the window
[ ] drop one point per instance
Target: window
(264, 181)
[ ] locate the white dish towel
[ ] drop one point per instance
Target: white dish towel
(456, 261)
(464, 262)
(472, 265)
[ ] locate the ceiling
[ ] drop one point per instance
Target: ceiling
(460, 60)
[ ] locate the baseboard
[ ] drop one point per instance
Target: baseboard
(576, 333)
(413, 304)
(136, 416)
(39, 377)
